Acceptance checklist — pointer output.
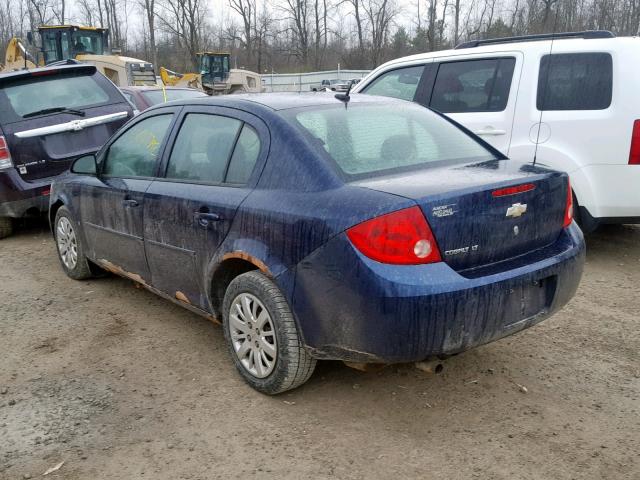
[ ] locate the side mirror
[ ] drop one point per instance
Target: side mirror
(86, 165)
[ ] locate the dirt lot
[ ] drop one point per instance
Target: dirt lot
(118, 383)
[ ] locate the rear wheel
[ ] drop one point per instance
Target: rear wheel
(70, 249)
(262, 335)
(6, 227)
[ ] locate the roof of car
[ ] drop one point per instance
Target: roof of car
(287, 100)
(42, 71)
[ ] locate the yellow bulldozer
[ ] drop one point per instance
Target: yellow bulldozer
(85, 44)
(214, 77)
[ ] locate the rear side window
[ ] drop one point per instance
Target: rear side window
(135, 152)
(368, 140)
(41, 93)
(244, 156)
(203, 148)
(473, 86)
(575, 81)
(401, 83)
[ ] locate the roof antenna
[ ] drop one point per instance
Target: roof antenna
(344, 97)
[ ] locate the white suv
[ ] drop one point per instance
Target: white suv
(569, 101)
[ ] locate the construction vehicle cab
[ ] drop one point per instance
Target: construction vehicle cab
(61, 42)
(214, 68)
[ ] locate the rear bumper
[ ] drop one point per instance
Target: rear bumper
(609, 192)
(19, 198)
(352, 308)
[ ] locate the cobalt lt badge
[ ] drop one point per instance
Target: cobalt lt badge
(516, 230)
(516, 210)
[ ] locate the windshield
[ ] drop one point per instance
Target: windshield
(216, 64)
(41, 93)
(153, 97)
(87, 41)
(367, 140)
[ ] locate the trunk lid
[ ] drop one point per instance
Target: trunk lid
(472, 226)
(51, 154)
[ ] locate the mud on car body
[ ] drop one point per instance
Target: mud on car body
(49, 117)
(368, 231)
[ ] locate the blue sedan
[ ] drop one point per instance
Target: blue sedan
(368, 229)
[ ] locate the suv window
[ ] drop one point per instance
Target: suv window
(203, 147)
(401, 83)
(135, 152)
(40, 93)
(575, 81)
(473, 86)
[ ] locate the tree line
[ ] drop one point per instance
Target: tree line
(307, 35)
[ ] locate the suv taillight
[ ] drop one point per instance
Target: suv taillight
(402, 238)
(5, 155)
(634, 153)
(568, 209)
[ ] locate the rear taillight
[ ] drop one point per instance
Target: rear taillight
(568, 210)
(634, 153)
(504, 192)
(5, 155)
(403, 238)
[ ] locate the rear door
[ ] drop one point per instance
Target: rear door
(113, 202)
(43, 142)
(209, 171)
(480, 93)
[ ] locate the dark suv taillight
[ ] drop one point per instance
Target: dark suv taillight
(5, 155)
(568, 208)
(634, 152)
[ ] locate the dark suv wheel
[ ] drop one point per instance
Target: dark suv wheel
(6, 227)
(262, 335)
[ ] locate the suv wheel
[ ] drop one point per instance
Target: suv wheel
(70, 249)
(262, 335)
(6, 227)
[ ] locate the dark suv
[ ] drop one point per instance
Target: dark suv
(49, 117)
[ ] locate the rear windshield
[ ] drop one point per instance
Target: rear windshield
(368, 140)
(41, 93)
(154, 97)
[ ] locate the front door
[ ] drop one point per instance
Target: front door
(112, 206)
(188, 213)
(480, 94)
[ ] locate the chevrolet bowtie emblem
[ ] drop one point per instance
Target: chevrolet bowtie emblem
(516, 210)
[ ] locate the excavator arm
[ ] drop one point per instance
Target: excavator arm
(17, 57)
(174, 79)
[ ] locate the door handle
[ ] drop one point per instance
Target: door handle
(129, 203)
(490, 131)
(204, 219)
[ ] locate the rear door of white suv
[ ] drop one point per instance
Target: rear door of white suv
(479, 91)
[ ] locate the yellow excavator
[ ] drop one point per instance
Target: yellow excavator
(215, 77)
(85, 44)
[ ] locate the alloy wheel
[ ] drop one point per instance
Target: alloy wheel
(67, 243)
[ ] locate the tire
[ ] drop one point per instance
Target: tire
(6, 227)
(69, 247)
(291, 366)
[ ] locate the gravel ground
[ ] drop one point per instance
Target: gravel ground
(118, 383)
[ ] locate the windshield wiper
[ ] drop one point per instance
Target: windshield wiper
(44, 111)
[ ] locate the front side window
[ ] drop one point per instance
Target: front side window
(367, 140)
(135, 152)
(203, 148)
(473, 86)
(401, 83)
(575, 81)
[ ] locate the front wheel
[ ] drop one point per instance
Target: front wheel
(70, 250)
(6, 227)
(262, 335)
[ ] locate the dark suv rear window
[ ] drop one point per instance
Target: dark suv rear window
(74, 91)
(575, 81)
